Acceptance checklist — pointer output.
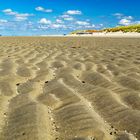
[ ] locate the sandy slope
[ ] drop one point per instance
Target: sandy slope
(55, 88)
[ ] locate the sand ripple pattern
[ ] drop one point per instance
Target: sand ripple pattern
(66, 88)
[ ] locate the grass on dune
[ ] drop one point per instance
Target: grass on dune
(131, 28)
(125, 29)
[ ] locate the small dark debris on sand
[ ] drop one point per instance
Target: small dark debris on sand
(46, 82)
(17, 84)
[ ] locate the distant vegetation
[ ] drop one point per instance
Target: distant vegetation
(125, 29)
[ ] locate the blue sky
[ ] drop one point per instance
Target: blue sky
(42, 17)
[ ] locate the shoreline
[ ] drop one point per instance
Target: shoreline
(116, 34)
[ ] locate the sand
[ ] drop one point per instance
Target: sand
(66, 88)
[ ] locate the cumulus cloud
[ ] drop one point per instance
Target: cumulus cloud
(118, 15)
(69, 18)
(125, 22)
(82, 23)
(44, 21)
(18, 16)
(65, 22)
(59, 21)
(137, 22)
(41, 9)
(125, 19)
(101, 25)
(57, 26)
(53, 26)
(3, 21)
(9, 12)
(128, 17)
(65, 16)
(90, 26)
(22, 17)
(74, 12)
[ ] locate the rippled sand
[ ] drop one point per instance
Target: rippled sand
(66, 88)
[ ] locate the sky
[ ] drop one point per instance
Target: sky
(49, 17)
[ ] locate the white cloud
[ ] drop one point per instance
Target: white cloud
(43, 27)
(101, 25)
(121, 16)
(61, 25)
(22, 17)
(41, 9)
(3, 21)
(137, 22)
(128, 17)
(74, 12)
(18, 16)
(57, 26)
(83, 23)
(125, 22)
(118, 15)
(59, 21)
(90, 26)
(53, 26)
(44, 21)
(65, 16)
(9, 12)
(69, 18)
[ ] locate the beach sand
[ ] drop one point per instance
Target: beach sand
(66, 88)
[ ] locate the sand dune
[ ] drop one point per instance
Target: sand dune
(66, 88)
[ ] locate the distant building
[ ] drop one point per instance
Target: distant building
(83, 33)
